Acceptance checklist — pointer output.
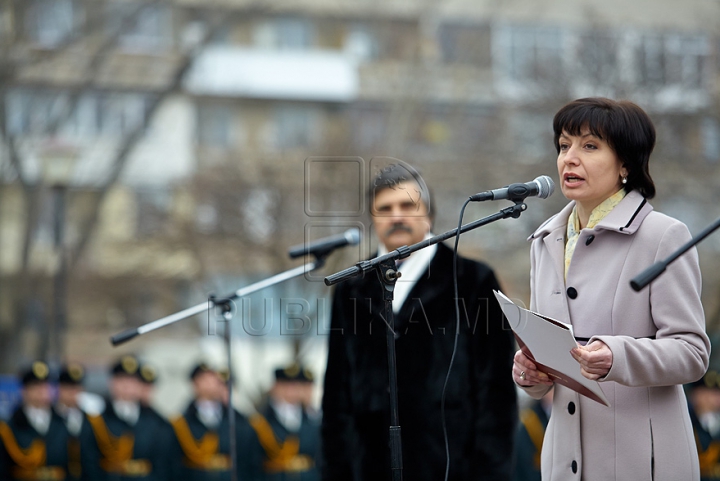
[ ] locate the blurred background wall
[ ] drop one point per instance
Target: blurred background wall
(155, 152)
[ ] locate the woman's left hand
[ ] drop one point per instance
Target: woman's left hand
(595, 359)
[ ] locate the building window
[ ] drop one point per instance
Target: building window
(360, 43)
(32, 111)
(530, 62)
(296, 126)
(530, 53)
(29, 111)
(143, 28)
(153, 211)
(597, 55)
(51, 22)
(673, 60)
(468, 44)
(122, 114)
(285, 34)
(214, 125)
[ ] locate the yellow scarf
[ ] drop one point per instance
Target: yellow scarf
(598, 214)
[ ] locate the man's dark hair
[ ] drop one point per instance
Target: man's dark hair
(389, 177)
(623, 125)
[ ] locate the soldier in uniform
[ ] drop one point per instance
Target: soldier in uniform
(529, 439)
(287, 442)
(68, 407)
(201, 445)
(704, 405)
(125, 442)
(33, 443)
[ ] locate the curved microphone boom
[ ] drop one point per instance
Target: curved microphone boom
(543, 187)
(326, 245)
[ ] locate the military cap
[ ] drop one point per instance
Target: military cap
(36, 373)
(294, 373)
(200, 368)
(224, 375)
(72, 373)
(126, 366)
(147, 373)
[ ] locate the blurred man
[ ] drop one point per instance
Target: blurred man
(288, 440)
(201, 445)
(127, 441)
(33, 443)
(480, 401)
(704, 404)
(68, 408)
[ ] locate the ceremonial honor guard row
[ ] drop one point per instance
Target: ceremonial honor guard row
(60, 437)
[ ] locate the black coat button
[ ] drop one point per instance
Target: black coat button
(571, 292)
(571, 407)
(573, 466)
(589, 240)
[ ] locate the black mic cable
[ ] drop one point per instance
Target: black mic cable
(455, 342)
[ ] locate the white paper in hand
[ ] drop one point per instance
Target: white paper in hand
(548, 342)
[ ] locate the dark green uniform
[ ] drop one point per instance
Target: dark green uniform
(113, 450)
(27, 455)
(202, 454)
(72, 375)
(282, 455)
(528, 443)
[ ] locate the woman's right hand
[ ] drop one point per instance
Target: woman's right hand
(526, 374)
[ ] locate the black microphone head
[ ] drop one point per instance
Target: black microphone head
(546, 186)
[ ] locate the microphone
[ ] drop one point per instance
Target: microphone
(326, 245)
(542, 187)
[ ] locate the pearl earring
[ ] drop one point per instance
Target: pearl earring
(624, 180)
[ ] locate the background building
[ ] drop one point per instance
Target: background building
(154, 152)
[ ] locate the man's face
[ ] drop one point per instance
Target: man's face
(287, 391)
(400, 216)
(125, 388)
(68, 394)
(37, 395)
(208, 385)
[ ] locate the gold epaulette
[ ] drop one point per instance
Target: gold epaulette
(202, 453)
(709, 459)
(43, 473)
(535, 430)
(117, 451)
(283, 457)
(34, 456)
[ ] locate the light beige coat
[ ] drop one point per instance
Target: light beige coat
(657, 337)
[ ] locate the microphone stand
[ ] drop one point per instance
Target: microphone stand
(649, 274)
(385, 267)
(224, 304)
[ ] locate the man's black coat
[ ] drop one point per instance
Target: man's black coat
(480, 403)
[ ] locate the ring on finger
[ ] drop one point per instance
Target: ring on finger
(522, 375)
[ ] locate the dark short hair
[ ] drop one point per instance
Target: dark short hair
(392, 175)
(623, 125)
